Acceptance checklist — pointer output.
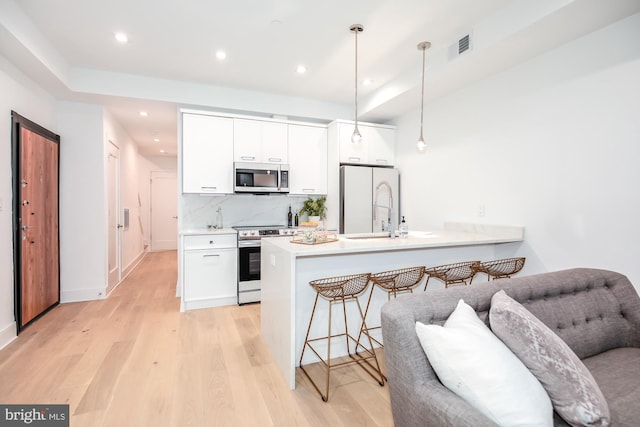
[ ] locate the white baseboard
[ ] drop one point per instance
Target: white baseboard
(80, 295)
(208, 302)
(133, 264)
(127, 270)
(8, 334)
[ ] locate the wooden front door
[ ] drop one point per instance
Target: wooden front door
(36, 237)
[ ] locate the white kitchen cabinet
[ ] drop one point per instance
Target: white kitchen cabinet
(381, 142)
(259, 141)
(377, 146)
(307, 159)
(210, 270)
(207, 154)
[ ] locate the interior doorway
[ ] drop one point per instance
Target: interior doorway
(164, 211)
(36, 239)
(115, 225)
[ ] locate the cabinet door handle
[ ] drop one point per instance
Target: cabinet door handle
(308, 190)
(354, 159)
(209, 255)
(275, 159)
(247, 157)
(204, 187)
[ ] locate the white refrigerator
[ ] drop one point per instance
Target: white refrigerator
(369, 199)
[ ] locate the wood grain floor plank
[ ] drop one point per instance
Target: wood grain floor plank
(134, 360)
(100, 390)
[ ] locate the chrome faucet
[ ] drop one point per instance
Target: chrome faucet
(391, 225)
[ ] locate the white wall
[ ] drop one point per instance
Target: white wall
(83, 210)
(552, 144)
(131, 165)
(147, 165)
(28, 100)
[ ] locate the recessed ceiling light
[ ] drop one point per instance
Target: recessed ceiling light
(367, 82)
(301, 69)
(162, 151)
(221, 54)
(121, 37)
(156, 139)
(144, 113)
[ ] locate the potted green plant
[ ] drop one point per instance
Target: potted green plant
(315, 208)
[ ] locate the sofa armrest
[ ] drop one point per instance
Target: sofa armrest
(432, 404)
(417, 396)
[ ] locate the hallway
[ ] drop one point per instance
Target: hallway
(134, 360)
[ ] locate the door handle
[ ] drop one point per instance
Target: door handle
(25, 227)
(120, 225)
(174, 217)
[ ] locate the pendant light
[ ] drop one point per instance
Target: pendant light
(421, 145)
(356, 137)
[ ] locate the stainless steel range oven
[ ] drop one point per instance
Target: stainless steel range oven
(249, 258)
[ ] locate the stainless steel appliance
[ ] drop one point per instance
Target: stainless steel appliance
(369, 199)
(260, 178)
(249, 258)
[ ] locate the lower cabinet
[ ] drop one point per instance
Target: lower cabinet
(210, 271)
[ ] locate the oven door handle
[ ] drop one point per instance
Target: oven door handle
(249, 243)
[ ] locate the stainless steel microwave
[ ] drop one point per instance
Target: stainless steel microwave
(260, 178)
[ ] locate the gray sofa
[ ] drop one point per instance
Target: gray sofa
(596, 312)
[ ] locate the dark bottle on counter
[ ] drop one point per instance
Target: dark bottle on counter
(295, 219)
(289, 217)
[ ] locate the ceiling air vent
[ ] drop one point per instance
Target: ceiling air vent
(462, 45)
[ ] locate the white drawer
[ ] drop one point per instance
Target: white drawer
(210, 241)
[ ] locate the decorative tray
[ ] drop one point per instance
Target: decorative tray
(315, 239)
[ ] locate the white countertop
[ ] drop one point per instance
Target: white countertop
(199, 231)
(288, 268)
(453, 234)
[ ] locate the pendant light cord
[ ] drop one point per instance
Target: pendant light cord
(422, 98)
(356, 137)
(356, 77)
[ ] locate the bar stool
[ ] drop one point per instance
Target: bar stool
(394, 282)
(453, 274)
(501, 268)
(342, 289)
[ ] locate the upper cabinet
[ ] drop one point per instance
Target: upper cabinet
(207, 154)
(259, 141)
(377, 146)
(307, 159)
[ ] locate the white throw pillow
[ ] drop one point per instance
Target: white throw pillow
(474, 364)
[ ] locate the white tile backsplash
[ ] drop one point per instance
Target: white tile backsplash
(237, 210)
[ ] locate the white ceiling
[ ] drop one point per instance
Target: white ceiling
(67, 46)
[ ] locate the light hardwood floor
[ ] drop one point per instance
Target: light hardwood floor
(135, 360)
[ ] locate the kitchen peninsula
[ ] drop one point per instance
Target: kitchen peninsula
(287, 268)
